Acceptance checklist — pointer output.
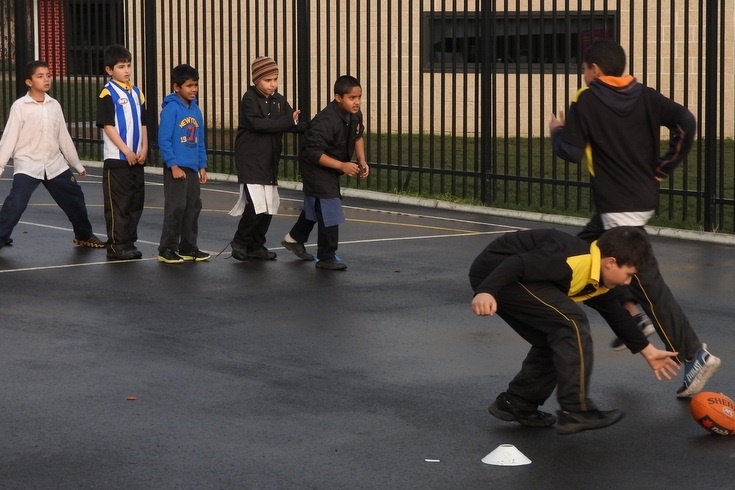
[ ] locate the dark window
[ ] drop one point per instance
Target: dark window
(521, 40)
(92, 25)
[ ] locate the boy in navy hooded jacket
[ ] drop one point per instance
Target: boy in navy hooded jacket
(181, 141)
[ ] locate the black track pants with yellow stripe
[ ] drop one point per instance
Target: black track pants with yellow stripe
(561, 346)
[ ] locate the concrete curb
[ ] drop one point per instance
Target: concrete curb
(692, 235)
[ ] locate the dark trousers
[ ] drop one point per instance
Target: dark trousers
(252, 228)
(327, 238)
(181, 209)
(123, 190)
(650, 291)
(561, 346)
(63, 188)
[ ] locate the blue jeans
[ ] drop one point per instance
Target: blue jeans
(63, 188)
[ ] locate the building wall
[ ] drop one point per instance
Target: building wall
(379, 42)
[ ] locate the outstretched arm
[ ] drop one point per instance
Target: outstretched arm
(661, 361)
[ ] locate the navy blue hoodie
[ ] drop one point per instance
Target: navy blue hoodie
(181, 134)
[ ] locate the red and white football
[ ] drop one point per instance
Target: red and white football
(715, 412)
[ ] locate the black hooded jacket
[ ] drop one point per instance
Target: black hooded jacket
(616, 123)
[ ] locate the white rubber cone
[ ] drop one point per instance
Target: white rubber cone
(506, 455)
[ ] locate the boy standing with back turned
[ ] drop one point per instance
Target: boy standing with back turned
(333, 136)
(122, 117)
(181, 140)
(615, 123)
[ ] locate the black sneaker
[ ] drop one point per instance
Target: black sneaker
(573, 422)
(125, 254)
(8, 242)
(331, 265)
(260, 254)
(91, 242)
(644, 323)
(504, 410)
(195, 256)
(297, 249)
(169, 256)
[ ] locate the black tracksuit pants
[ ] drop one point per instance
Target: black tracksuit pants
(561, 346)
(252, 228)
(123, 189)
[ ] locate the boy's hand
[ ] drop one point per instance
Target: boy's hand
(364, 169)
(296, 114)
(177, 172)
(142, 155)
(350, 168)
(556, 121)
(83, 173)
(202, 175)
(661, 361)
(131, 157)
(484, 304)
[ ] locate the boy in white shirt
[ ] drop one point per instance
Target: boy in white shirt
(36, 138)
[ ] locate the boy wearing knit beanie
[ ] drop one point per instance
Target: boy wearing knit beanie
(264, 116)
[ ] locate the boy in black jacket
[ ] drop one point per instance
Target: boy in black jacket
(533, 280)
(615, 122)
(333, 136)
(264, 116)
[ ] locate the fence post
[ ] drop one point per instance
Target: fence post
(151, 73)
(710, 114)
(304, 61)
(487, 74)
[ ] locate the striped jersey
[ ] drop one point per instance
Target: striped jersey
(121, 106)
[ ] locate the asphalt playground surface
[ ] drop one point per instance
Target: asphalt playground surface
(275, 375)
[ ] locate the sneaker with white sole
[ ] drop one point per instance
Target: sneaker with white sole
(644, 323)
(697, 372)
(169, 256)
(194, 256)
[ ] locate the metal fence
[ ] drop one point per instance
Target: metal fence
(457, 94)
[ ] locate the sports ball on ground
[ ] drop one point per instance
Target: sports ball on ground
(715, 412)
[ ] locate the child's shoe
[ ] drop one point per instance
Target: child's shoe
(697, 371)
(195, 256)
(91, 242)
(297, 248)
(573, 422)
(331, 265)
(504, 410)
(169, 256)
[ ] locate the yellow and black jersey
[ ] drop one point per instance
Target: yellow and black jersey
(551, 256)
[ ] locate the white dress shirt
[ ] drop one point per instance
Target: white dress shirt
(36, 138)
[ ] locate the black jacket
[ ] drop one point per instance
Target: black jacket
(332, 131)
(259, 141)
(565, 261)
(616, 123)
